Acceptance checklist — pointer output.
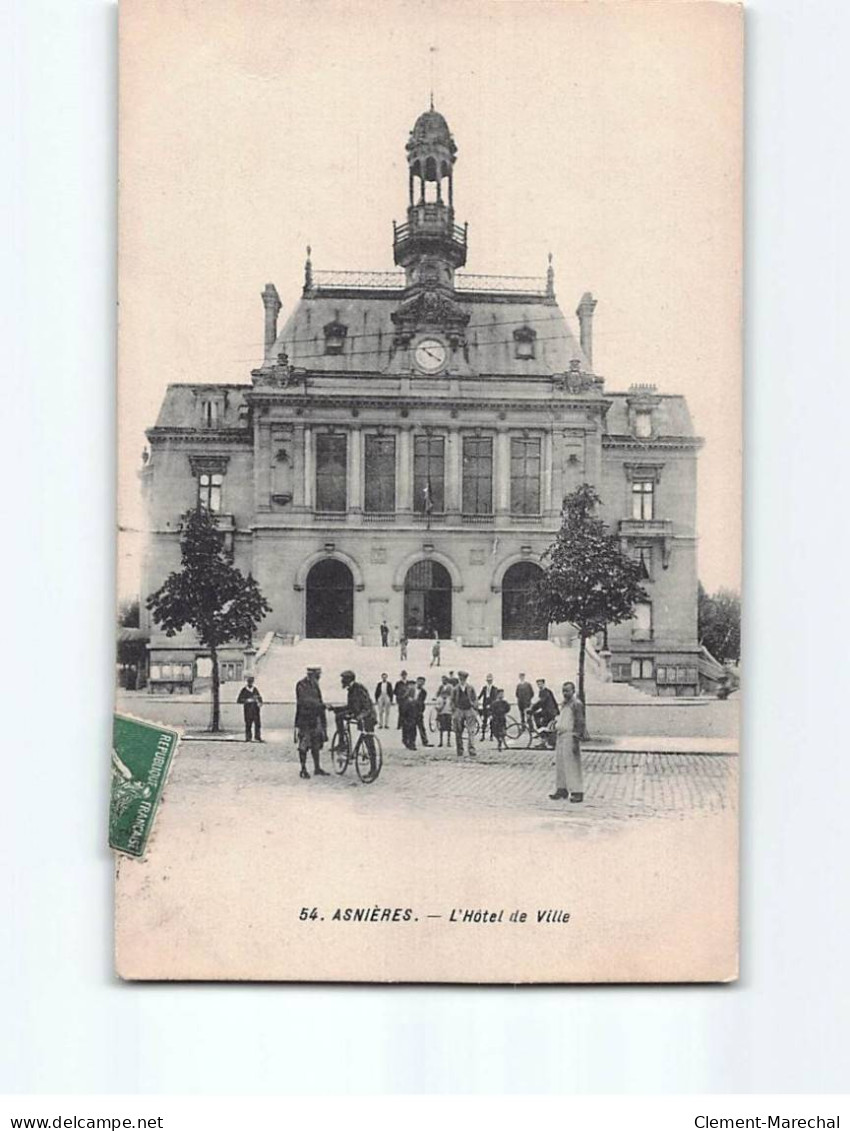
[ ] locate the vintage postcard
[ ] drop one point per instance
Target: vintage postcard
(429, 491)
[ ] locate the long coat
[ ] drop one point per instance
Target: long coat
(310, 710)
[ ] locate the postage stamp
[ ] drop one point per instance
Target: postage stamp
(141, 759)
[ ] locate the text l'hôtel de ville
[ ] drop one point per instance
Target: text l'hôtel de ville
(469, 916)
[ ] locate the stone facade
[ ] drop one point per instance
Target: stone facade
(427, 416)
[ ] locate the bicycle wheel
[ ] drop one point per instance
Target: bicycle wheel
(340, 753)
(367, 769)
(474, 727)
(517, 735)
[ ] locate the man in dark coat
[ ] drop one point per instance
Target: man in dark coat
(485, 696)
(400, 690)
(384, 699)
(421, 701)
(385, 633)
(251, 701)
(359, 708)
(545, 709)
(524, 694)
(407, 715)
(310, 721)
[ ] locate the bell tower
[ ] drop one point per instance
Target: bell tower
(430, 247)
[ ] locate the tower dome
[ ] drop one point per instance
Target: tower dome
(431, 127)
(431, 149)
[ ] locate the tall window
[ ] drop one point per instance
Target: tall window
(477, 475)
(429, 470)
(643, 496)
(209, 492)
(380, 473)
(210, 413)
(525, 476)
(642, 623)
(643, 423)
(643, 560)
(331, 454)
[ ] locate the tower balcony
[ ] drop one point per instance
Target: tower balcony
(430, 230)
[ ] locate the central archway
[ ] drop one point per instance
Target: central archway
(330, 600)
(428, 600)
(521, 617)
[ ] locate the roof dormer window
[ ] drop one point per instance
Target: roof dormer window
(211, 412)
(335, 334)
(643, 423)
(524, 343)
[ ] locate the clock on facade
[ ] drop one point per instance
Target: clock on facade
(430, 355)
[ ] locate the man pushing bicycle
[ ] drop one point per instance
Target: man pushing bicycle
(360, 708)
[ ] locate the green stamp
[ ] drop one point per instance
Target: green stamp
(141, 758)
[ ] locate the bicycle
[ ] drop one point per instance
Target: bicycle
(528, 735)
(367, 762)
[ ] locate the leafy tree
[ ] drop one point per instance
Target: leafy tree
(719, 617)
(209, 595)
(587, 579)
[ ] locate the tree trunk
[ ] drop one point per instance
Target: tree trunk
(215, 721)
(581, 657)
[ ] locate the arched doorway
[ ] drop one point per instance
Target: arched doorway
(521, 617)
(330, 599)
(428, 600)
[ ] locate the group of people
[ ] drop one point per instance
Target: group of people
(460, 711)
(403, 641)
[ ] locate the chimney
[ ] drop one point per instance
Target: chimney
(585, 310)
(271, 301)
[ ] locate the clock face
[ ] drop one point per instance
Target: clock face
(430, 355)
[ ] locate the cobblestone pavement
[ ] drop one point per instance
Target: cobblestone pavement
(619, 786)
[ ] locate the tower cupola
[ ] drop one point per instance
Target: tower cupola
(430, 246)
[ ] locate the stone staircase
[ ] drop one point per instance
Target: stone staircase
(284, 664)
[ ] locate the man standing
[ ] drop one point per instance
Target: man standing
(486, 697)
(359, 708)
(464, 713)
(421, 700)
(569, 727)
(407, 716)
(385, 633)
(251, 701)
(400, 690)
(524, 695)
(310, 721)
(384, 699)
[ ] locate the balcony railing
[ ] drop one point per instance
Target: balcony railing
(646, 528)
(477, 519)
(378, 516)
(397, 281)
(501, 284)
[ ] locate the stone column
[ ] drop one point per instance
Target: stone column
(262, 465)
(355, 473)
(454, 458)
(404, 470)
(502, 473)
(309, 468)
(299, 475)
(547, 477)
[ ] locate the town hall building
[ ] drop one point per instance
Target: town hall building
(403, 451)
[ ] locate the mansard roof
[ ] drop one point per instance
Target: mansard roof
(493, 320)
